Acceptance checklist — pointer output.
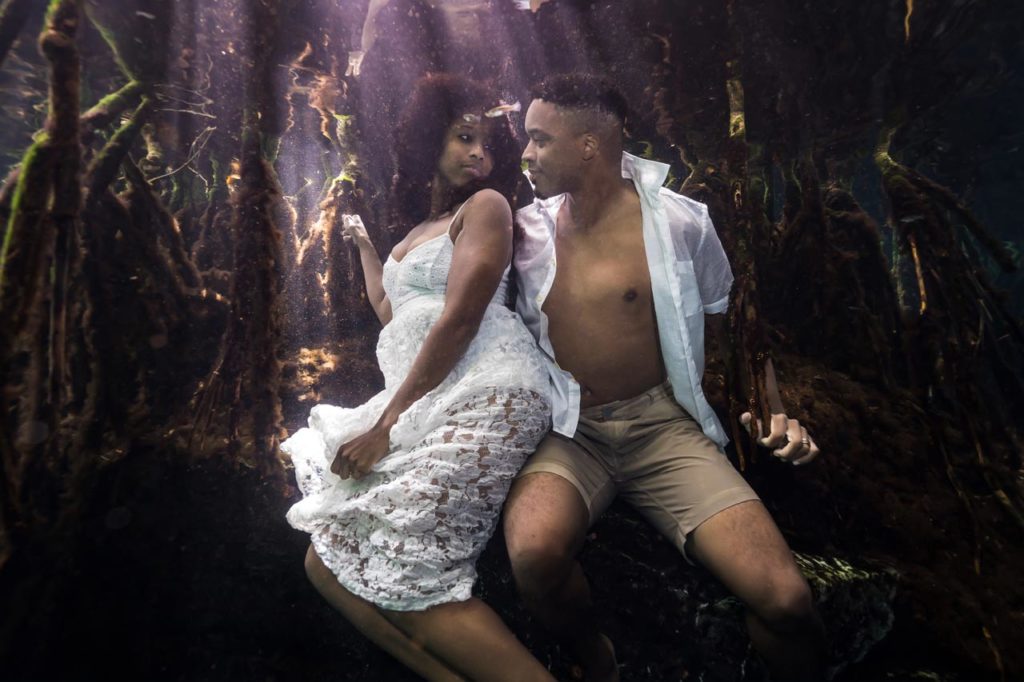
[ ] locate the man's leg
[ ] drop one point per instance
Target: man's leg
(679, 480)
(743, 548)
(546, 522)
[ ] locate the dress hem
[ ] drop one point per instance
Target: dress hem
(391, 604)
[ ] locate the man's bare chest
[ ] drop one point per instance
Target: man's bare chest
(611, 278)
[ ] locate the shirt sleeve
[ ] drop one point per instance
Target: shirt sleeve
(711, 266)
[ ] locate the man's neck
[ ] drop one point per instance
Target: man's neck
(597, 197)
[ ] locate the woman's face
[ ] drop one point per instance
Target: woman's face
(466, 156)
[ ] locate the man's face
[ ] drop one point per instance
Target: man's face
(554, 154)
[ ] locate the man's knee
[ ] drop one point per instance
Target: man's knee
(545, 523)
(786, 605)
(539, 563)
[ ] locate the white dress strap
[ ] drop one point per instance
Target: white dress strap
(456, 217)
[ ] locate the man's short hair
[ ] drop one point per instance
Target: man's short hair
(582, 92)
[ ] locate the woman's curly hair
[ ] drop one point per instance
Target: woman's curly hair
(437, 101)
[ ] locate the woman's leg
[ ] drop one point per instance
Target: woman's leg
(465, 636)
(471, 638)
(459, 638)
(368, 620)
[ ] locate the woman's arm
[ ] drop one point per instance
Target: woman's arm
(352, 229)
(482, 251)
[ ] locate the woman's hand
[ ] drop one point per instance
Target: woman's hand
(356, 457)
(353, 231)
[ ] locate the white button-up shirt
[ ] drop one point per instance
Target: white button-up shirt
(690, 277)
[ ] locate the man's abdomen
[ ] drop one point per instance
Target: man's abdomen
(612, 357)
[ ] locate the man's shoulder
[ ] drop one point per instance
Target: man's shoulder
(536, 209)
(683, 203)
(536, 220)
(527, 213)
(535, 224)
(685, 215)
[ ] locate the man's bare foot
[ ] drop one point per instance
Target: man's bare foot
(599, 664)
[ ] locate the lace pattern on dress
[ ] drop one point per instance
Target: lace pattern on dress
(408, 537)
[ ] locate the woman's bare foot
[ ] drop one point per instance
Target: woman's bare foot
(599, 657)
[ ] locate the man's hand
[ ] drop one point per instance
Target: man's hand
(356, 457)
(788, 440)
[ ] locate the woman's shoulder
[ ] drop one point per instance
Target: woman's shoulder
(488, 199)
(488, 205)
(486, 209)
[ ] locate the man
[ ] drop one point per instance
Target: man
(616, 276)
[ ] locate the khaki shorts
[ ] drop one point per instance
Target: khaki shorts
(651, 452)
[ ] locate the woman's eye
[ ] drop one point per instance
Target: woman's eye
(465, 138)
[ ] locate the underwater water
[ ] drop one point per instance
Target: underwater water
(175, 296)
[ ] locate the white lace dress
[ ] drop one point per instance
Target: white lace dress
(407, 536)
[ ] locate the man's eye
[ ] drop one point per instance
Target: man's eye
(465, 138)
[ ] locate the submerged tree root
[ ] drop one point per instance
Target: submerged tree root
(14, 14)
(247, 372)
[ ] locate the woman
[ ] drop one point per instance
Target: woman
(402, 493)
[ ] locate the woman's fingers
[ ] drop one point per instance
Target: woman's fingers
(359, 470)
(355, 459)
(338, 464)
(352, 228)
(343, 465)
